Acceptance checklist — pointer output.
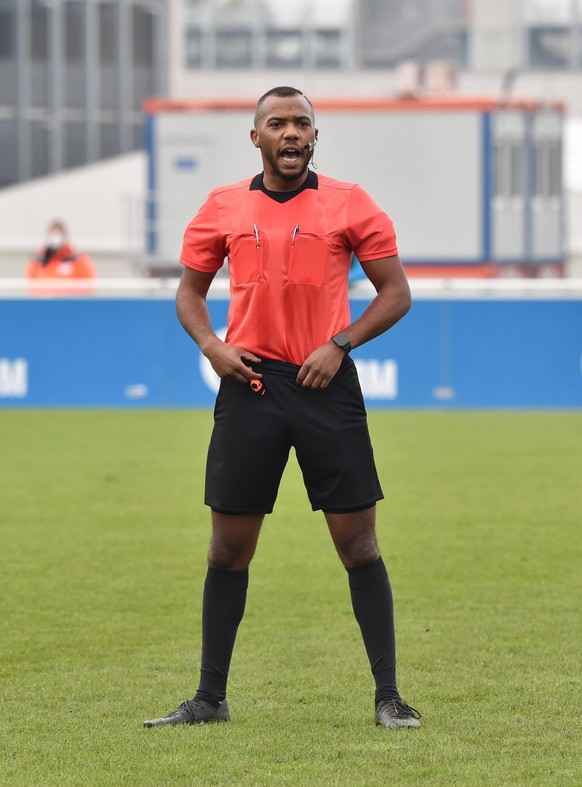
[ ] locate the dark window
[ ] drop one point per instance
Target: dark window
(7, 31)
(39, 149)
(509, 170)
(143, 38)
(389, 32)
(8, 152)
(137, 134)
(75, 91)
(40, 84)
(234, 49)
(108, 139)
(549, 46)
(555, 167)
(143, 85)
(193, 47)
(284, 47)
(74, 33)
(39, 31)
(109, 87)
(547, 180)
(8, 81)
(75, 144)
(108, 25)
(328, 44)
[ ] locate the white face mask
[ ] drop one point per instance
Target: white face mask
(55, 239)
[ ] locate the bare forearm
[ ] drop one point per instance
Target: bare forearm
(389, 306)
(192, 311)
(193, 314)
(391, 303)
(382, 313)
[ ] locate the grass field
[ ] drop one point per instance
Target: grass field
(102, 559)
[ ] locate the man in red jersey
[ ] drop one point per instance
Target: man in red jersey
(287, 380)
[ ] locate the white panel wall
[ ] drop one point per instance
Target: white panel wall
(192, 153)
(423, 169)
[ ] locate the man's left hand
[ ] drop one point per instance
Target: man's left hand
(320, 367)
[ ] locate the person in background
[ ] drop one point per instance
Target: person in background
(57, 259)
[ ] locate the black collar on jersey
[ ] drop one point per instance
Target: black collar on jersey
(310, 182)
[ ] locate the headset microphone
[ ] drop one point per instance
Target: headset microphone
(310, 146)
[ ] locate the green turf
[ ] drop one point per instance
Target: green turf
(102, 558)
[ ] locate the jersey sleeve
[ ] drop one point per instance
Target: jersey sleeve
(370, 231)
(203, 247)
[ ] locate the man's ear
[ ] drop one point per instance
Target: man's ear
(255, 138)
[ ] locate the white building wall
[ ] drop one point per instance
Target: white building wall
(252, 84)
(101, 204)
(496, 34)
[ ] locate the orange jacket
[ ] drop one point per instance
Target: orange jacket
(63, 263)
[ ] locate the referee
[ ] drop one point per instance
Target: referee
(287, 380)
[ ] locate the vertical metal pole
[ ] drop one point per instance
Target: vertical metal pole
(209, 37)
(348, 41)
(529, 152)
(160, 49)
(575, 36)
(355, 36)
(23, 97)
(523, 47)
(308, 43)
(124, 65)
(91, 78)
(56, 73)
(488, 247)
(259, 36)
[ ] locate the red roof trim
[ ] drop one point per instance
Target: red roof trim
(152, 106)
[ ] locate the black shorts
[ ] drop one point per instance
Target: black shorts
(254, 431)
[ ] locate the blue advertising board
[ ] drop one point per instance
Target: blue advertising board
(443, 354)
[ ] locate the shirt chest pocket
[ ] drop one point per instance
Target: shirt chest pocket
(308, 259)
(245, 258)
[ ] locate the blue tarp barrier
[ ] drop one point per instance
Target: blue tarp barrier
(444, 353)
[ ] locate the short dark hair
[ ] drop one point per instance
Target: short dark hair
(282, 92)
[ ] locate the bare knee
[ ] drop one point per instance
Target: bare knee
(354, 537)
(234, 540)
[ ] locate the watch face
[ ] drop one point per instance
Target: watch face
(343, 342)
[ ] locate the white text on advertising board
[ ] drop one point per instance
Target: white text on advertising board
(378, 379)
(13, 378)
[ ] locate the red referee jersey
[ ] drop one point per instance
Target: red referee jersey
(288, 261)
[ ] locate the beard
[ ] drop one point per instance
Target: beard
(284, 175)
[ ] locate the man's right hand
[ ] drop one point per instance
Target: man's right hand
(192, 309)
(228, 361)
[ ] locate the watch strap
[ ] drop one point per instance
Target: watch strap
(342, 342)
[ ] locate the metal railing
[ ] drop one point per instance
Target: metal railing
(422, 288)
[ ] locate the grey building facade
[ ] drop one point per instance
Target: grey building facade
(73, 74)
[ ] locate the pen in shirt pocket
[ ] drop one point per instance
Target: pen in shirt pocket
(256, 234)
(295, 232)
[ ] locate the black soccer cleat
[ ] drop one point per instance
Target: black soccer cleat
(192, 712)
(395, 712)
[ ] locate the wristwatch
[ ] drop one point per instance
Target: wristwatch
(342, 342)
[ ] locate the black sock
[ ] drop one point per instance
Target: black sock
(374, 610)
(223, 606)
